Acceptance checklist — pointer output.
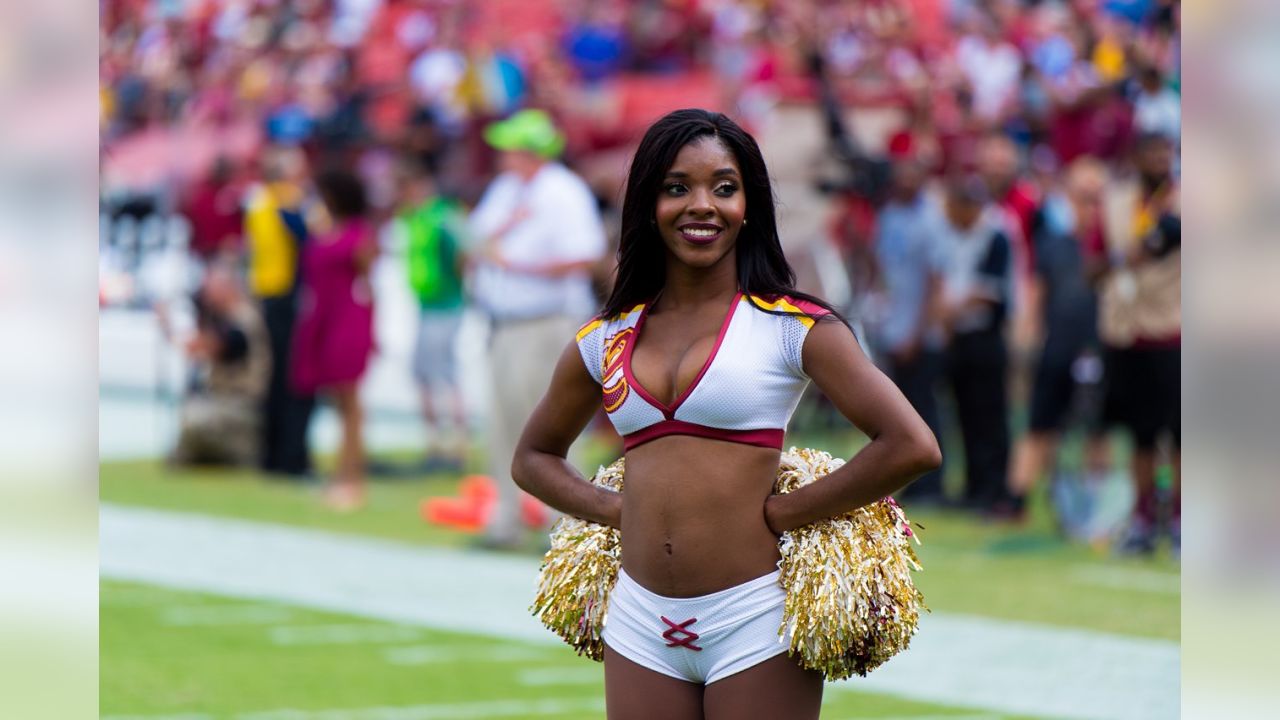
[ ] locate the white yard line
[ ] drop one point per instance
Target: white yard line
(996, 665)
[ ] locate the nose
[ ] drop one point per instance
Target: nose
(700, 203)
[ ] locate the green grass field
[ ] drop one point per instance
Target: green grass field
(169, 653)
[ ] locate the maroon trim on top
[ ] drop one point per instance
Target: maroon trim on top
(760, 438)
(669, 411)
(724, 330)
(626, 361)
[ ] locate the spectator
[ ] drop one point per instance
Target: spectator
(232, 354)
(334, 337)
(275, 234)
(1018, 200)
(906, 247)
(435, 227)
(1141, 325)
(992, 66)
(1064, 304)
(213, 210)
(976, 290)
(1014, 195)
(596, 44)
(435, 75)
(1157, 109)
(539, 234)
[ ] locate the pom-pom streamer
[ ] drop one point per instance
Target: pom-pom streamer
(577, 574)
(851, 602)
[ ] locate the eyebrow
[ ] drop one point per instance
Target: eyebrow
(718, 173)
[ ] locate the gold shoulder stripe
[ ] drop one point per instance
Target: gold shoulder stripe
(589, 328)
(783, 305)
(631, 312)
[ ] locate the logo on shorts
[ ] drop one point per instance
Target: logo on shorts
(682, 629)
(615, 385)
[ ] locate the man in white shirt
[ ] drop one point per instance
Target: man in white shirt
(1157, 110)
(976, 293)
(539, 233)
(993, 68)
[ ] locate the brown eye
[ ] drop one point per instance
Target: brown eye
(674, 189)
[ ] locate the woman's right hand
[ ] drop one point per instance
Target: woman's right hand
(613, 511)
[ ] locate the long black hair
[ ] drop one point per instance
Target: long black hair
(762, 268)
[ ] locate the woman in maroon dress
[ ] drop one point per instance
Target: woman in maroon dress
(334, 336)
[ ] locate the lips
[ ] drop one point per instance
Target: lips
(701, 233)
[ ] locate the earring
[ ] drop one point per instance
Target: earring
(744, 222)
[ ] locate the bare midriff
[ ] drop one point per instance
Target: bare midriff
(693, 515)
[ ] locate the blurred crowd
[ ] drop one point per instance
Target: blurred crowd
(1011, 243)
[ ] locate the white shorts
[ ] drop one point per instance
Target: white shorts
(699, 639)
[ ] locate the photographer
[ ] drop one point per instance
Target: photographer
(221, 415)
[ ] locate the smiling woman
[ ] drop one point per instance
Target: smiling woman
(700, 357)
(701, 203)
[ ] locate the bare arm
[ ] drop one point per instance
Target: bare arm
(539, 466)
(902, 447)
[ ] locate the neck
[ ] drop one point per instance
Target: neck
(529, 173)
(688, 286)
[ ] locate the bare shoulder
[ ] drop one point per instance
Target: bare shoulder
(829, 342)
(831, 354)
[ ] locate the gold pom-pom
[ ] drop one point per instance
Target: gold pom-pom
(851, 602)
(578, 573)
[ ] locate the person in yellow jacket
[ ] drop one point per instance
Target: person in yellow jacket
(274, 232)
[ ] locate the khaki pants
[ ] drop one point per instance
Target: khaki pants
(522, 356)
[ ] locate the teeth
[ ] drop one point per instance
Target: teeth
(700, 232)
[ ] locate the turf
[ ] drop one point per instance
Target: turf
(196, 655)
(1027, 573)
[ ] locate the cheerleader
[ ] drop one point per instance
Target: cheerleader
(699, 357)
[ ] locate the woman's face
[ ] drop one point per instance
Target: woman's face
(701, 204)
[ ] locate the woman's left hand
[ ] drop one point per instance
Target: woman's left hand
(772, 516)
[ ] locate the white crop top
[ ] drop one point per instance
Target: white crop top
(746, 391)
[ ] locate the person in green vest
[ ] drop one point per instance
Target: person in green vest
(434, 226)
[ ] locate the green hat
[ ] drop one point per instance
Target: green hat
(530, 130)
